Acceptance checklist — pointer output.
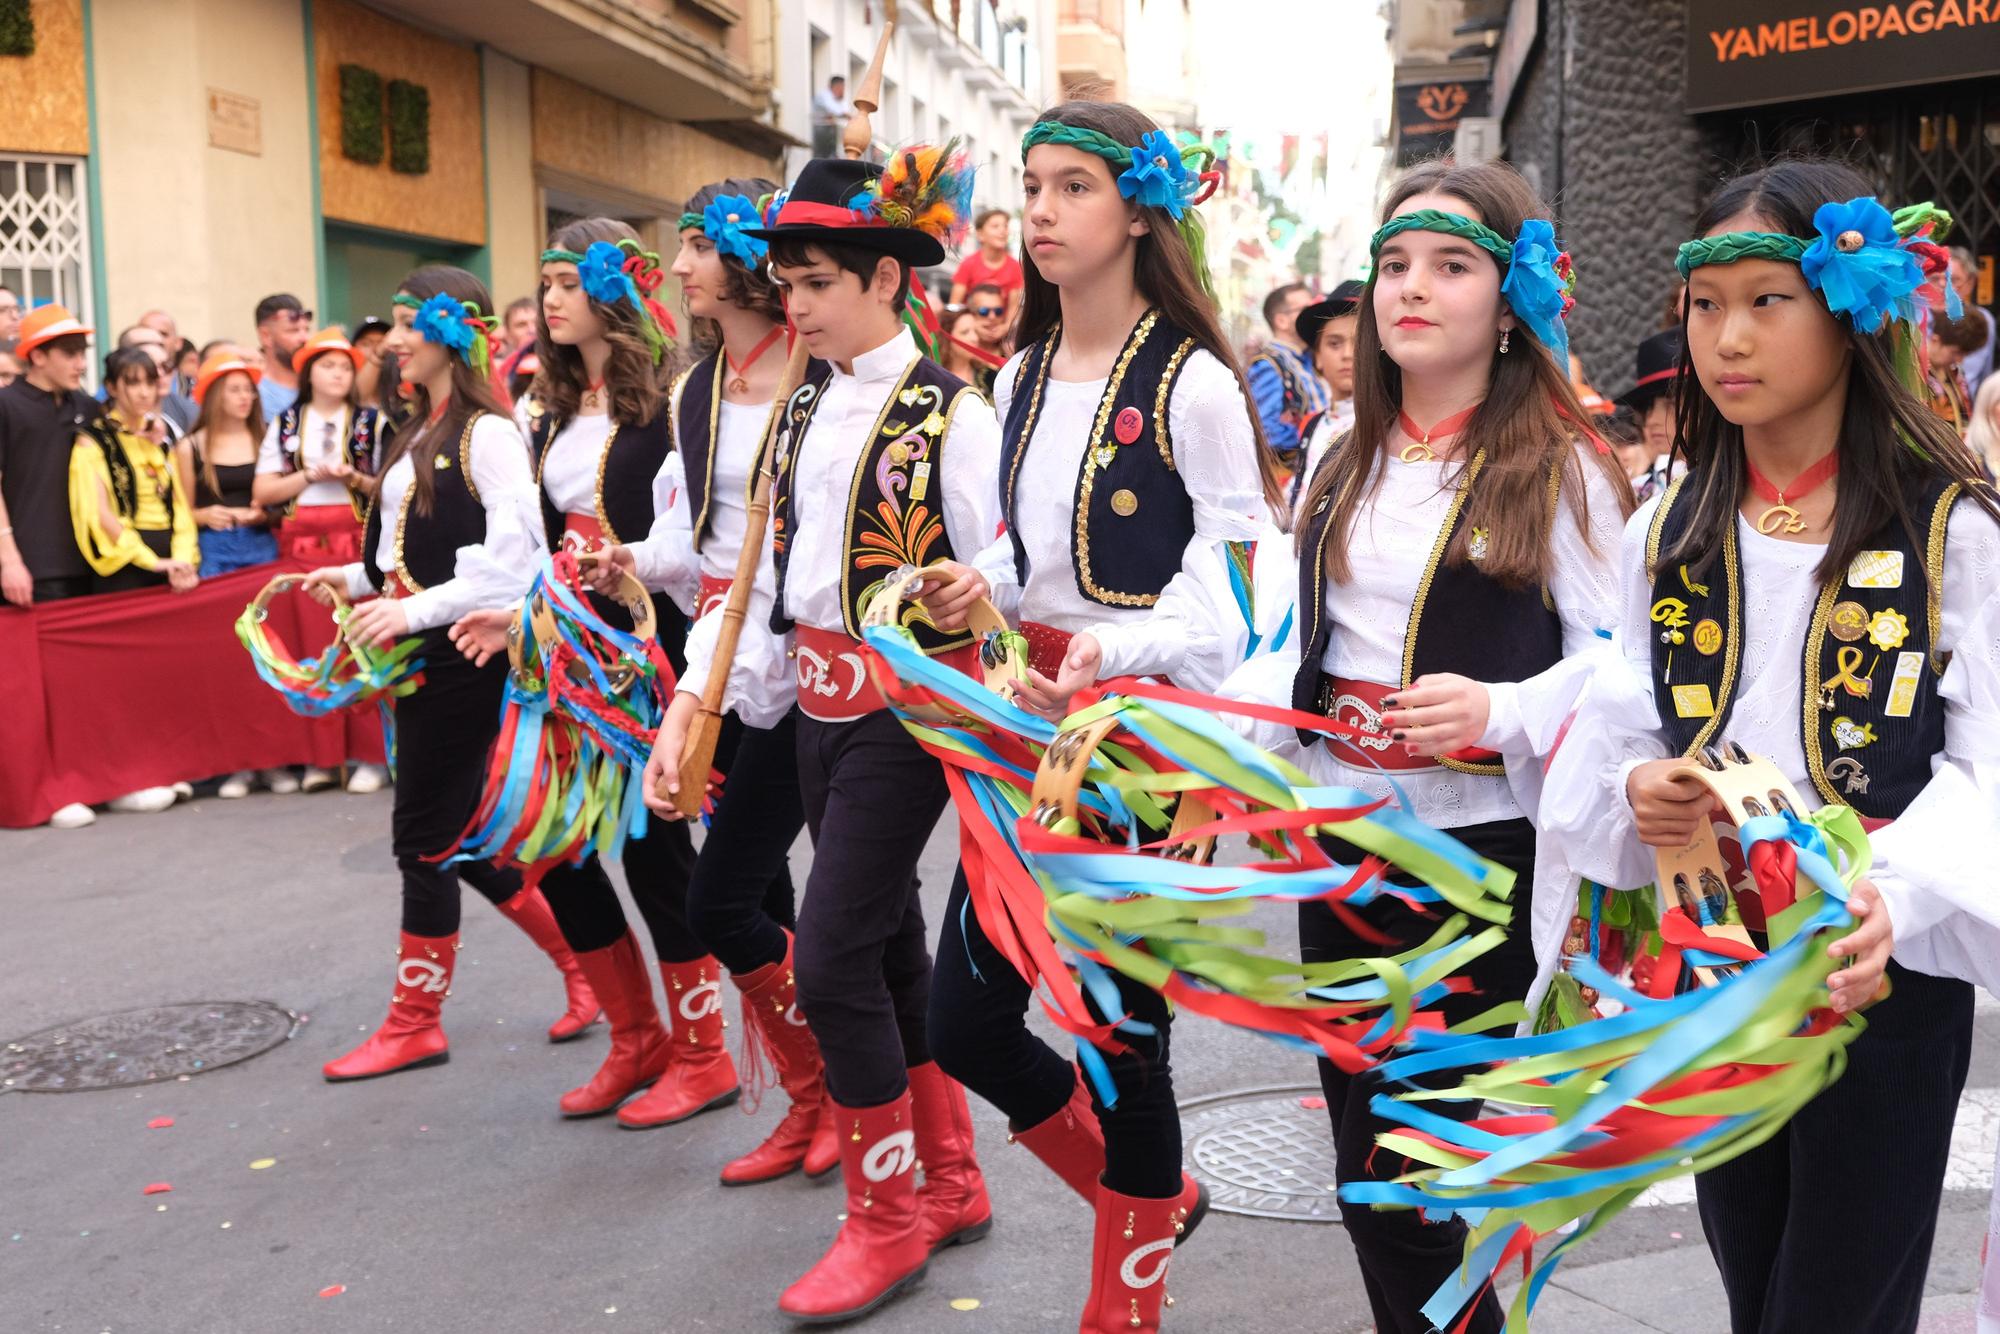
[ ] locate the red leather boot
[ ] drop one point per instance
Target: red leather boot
(771, 1018)
(639, 1042)
(700, 1076)
(530, 911)
(411, 1036)
(1128, 1263)
(880, 1250)
(1071, 1144)
(953, 1195)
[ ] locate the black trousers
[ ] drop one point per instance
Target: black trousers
(740, 900)
(443, 731)
(1404, 1259)
(979, 1033)
(871, 799)
(61, 588)
(1828, 1224)
(657, 868)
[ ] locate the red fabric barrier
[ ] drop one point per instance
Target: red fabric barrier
(106, 695)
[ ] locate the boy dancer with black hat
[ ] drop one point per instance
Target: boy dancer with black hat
(1656, 370)
(883, 459)
(1327, 329)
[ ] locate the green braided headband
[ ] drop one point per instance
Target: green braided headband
(688, 220)
(1730, 247)
(1451, 224)
(561, 257)
(1075, 136)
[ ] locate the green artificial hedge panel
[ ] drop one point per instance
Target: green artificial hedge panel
(360, 114)
(17, 28)
(409, 127)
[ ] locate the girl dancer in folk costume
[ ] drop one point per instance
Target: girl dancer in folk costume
(317, 465)
(598, 432)
(884, 459)
(740, 899)
(452, 528)
(1800, 593)
(1131, 463)
(1459, 534)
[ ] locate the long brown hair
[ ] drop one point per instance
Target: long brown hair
(1527, 424)
(471, 392)
(205, 419)
(636, 387)
(1890, 441)
(1163, 269)
(750, 289)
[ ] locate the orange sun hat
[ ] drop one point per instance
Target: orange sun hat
(218, 365)
(45, 324)
(330, 339)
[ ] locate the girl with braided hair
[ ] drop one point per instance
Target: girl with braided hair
(1454, 568)
(451, 527)
(1800, 593)
(599, 430)
(1134, 480)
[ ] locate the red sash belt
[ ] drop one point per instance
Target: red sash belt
(833, 679)
(394, 585)
(1360, 703)
(321, 535)
(587, 530)
(714, 592)
(1046, 647)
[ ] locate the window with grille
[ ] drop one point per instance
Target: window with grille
(45, 231)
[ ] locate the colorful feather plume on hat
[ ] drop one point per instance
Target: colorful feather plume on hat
(926, 188)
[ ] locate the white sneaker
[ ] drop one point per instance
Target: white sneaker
(235, 786)
(183, 791)
(145, 801)
(366, 778)
(316, 779)
(73, 816)
(282, 782)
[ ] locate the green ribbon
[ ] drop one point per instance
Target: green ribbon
(1729, 247)
(1451, 224)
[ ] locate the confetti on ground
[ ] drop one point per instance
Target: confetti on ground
(225, 1225)
(157, 1188)
(159, 1123)
(611, 1310)
(159, 1208)
(1313, 1104)
(965, 1303)
(263, 1163)
(334, 1291)
(1675, 1235)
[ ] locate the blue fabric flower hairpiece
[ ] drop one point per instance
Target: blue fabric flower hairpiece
(1539, 283)
(441, 320)
(723, 222)
(1860, 266)
(602, 270)
(1158, 177)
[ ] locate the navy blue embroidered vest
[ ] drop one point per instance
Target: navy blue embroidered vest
(359, 450)
(697, 409)
(1870, 718)
(426, 545)
(894, 512)
(1462, 620)
(1132, 518)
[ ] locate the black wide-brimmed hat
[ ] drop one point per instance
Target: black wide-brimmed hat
(1343, 300)
(1656, 367)
(829, 202)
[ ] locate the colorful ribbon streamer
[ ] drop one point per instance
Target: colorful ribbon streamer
(344, 676)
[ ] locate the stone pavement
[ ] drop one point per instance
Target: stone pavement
(454, 1199)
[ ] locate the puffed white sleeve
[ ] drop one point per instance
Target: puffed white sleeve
(665, 559)
(995, 561)
(1615, 729)
(761, 687)
(1933, 864)
(1194, 632)
(496, 571)
(1524, 717)
(971, 471)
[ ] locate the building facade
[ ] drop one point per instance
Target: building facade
(196, 155)
(1628, 112)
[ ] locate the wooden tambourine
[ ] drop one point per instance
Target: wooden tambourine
(631, 595)
(1057, 792)
(1003, 656)
(1746, 786)
(260, 606)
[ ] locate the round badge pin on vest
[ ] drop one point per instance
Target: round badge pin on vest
(1128, 425)
(1124, 503)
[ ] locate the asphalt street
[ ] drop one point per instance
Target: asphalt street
(455, 1199)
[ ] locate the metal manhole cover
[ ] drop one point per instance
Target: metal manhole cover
(143, 1046)
(1261, 1153)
